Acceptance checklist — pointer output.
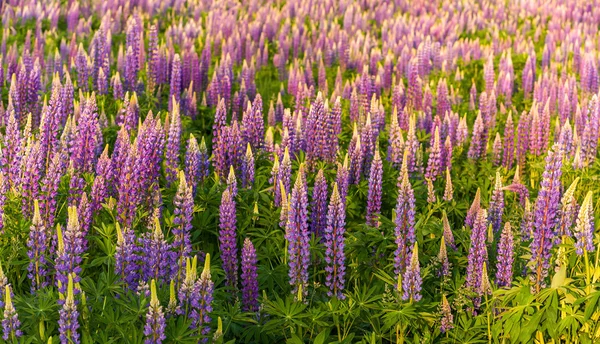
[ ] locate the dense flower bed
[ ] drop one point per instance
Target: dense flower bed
(330, 171)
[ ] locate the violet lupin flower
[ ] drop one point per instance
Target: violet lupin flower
(188, 300)
(342, 179)
(449, 188)
(478, 146)
(155, 255)
(192, 163)
(102, 182)
(175, 89)
(546, 208)
(204, 288)
(374, 195)
(584, 228)
(182, 223)
(232, 182)
(567, 212)
(227, 238)
(68, 323)
(30, 179)
(10, 324)
(434, 162)
(496, 204)
(173, 145)
(396, 141)
(405, 220)
(477, 252)
(334, 245)
(411, 280)
(126, 257)
(508, 156)
(447, 317)
(297, 236)
(285, 172)
(318, 206)
(248, 168)
(249, 277)
(38, 250)
(204, 161)
(504, 266)
(12, 154)
(154, 330)
(70, 251)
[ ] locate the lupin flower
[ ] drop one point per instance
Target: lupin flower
(154, 330)
(68, 323)
(192, 163)
(567, 212)
(173, 145)
(447, 231)
(374, 195)
(497, 150)
(477, 252)
(126, 257)
(297, 235)
(188, 300)
(227, 238)
(103, 181)
(204, 288)
(443, 259)
(508, 156)
(38, 251)
(248, 168)
(447, 318)
(474, 209)
(405, 220)
(496, 204)
(546, 207)
(334, 245)
(318, 206)
(249, 277)
(175, 89)
(285, 207)
(285, 172)
(477, 147)
(504, 266)
(155, 255)
(431, 197)
(232, 182)
(396, 141)
(411, 280)
(342, 179)
(448, 189)
(70, 251)
(584, 228)
(435, 156)
(10, 324)
(182, 223)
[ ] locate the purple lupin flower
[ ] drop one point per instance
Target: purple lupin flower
(11, 326)
(509, 143)
(285, 172)
(374, 195)
(12, 154)
(30, 179)
(249, 277)
(496, 204)
(449, 188)
(175, 89)
(87, 140)
(227, 238)
(188, 300)
(297, 235)
(477, 252)
(405, 220)
(497, 150)
(478, 146)
(396, 141)
(411, 280)
(70, 251)
(546, 208)
(474, 209)
(232, 183)
(318, 205)
(584, 228)
(156, 258)
(568, 211)
(248, 168)
(204, 161)
(126, 257)
(342, 179)
(204, 288)
(334, 245)
(102, 182)
(154, 330)
(192, 163)
(50, 184)
(182, 223)
(447, 322)
(68, 323)
(173, 145)
(504, 266)
(38, 250)
(435, 157)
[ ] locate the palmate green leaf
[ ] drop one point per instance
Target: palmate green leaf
(286, 314)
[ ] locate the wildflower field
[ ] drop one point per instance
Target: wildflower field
(299, 171)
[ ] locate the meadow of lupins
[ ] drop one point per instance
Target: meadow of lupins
(334, 171)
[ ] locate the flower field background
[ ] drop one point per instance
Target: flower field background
(299, 171)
